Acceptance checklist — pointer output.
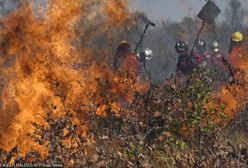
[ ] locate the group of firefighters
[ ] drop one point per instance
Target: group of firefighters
(210, 57)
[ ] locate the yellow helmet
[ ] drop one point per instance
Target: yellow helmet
(123, 42)
(237, 37)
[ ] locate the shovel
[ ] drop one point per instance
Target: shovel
(208, 14)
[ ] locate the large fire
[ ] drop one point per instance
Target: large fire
(45, 67)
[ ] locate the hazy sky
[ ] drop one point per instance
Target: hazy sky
(158, 10)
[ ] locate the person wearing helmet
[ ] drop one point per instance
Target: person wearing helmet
(216, 52)
(201, 57)
(201, 46)
(236, 40)
(185, 63)
(237, 48)
(125, 60)
(122, 50)
(215, 48)
(219, 62)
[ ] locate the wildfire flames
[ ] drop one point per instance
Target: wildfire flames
(234, 96)
(45, 67)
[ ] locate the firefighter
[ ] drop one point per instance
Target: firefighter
(122, 50)
(215, 47)
(236, 40)
(125, 60)
(201, 46)
(185, 63)
(201, 56)
(219, 62)
(236, 46)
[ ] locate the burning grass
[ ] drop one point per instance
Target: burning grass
(60, 106)
(169, 127)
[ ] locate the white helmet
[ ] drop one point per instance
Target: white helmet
(147, 53)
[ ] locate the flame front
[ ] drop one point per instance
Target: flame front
(44, 66)
(234, 96)
(48, 64)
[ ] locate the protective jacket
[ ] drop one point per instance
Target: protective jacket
(185, 63)
(126, 61)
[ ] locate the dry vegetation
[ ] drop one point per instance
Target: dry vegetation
(170, 127)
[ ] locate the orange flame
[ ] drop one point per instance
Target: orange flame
(234, 96)
(43, 66)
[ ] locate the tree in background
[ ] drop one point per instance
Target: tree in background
(235, 15)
